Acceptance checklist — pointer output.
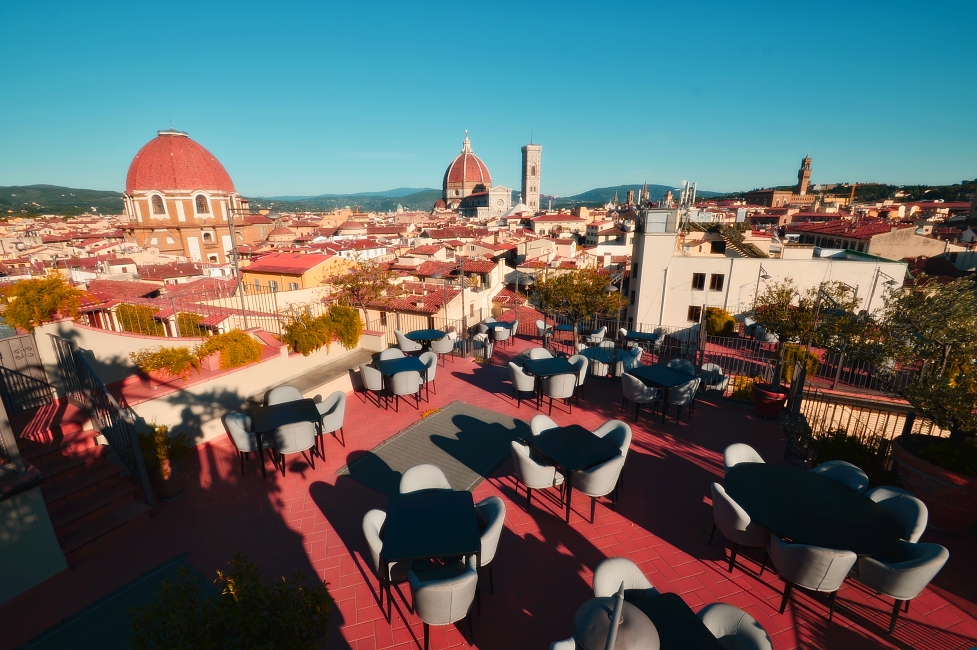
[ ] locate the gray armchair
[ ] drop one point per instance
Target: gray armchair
(282, 394)
(713, 378)
(683, 395)
(540, 353)
(430, 361)
(444, 595)
(844, 473)
(598, 336)
(403, 384)
(514, 330)
(481, 341)
(543, 330)
(521, 383)
(560, 387)
(533, 475)
(442, 347)
(734, 628)
(682, 365)
(810, 567)
(373, 383)
(565, 644)
(737, 453)
(638, 392)
(405, 344)
(501, 334)
(599, 481)
(333, 413)
(910, 512)
(735, 525)
(491, 520)
(580, 365)
(238, 428)
(423, 477)
(295, 438)
(541, 423)
(903, 580)
(611, 572)
(373, 522)
(392, 353)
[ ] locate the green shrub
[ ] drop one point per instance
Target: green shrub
(249, 613)
(236, 348)
(139, 319)
(346, 325)
(956, 457)
(176, 362)
(33, 302)
(188, 324)
(307, 333)
(792, 355)
(863, 452)
(743, 388)
(719, 322)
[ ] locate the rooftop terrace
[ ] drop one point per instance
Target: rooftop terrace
(310, 522)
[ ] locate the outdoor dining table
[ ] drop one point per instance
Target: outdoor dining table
(390, 367)
(573, 448)
(543, 368)
(268, 417)
(811, 508)
(425, 336)
(429, 524)
(678, 626)
(661, 376)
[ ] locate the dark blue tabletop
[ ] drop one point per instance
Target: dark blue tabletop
(499, 325)
(573, 447)
(425, 335)
(642, 336)
(549, 367)
(390, 367)
(430, 523)
(661, 375)
(678, 626)
(563, 328)
(265, 419)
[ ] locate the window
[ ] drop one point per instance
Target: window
(208, 237)
(257, 284)
(695, 313)
(211, 258)
(169, 240)
(383, 318)
(698, 281)
(202, 204)
(716, 282)
(272, 285)
(717, 247)
(293, 286)
(533, 171)
(158, 206)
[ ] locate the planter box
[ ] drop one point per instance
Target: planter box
(951, 498)
(211, 361)
(768, 402)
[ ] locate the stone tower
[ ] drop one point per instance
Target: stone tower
(804, 175)
(530, 175)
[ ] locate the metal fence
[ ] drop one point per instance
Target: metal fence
(22, 392)
(84, 388)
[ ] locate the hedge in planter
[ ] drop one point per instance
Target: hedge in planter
(249, 613)
(307, 333)
(719, 322)
(175, 361)
(236, 348)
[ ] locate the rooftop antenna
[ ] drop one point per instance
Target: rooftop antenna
(530, 136)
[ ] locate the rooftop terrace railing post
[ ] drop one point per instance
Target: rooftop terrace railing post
(841, 365)
(907, 426)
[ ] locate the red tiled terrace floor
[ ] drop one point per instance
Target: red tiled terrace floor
(310, 522)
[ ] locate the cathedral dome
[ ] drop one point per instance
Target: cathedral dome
(172, 161)
(467, 170)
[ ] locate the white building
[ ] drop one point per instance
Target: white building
(669, 288)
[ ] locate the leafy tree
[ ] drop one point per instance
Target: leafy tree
(822, 316)
(236, 348)
(930, 330)
(249, 614)
(346, 325)
(41, 300)
(307, 333)
(719, 322)
(578, 295)
(139, 319)
(363, 282)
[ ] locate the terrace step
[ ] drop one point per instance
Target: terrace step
(64, 468)
(101, 532)
(81, 486)
(75, 515)
(67, 444)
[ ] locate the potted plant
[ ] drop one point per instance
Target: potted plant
(247, 612)
(229, 350)
(822, 315)
(927, 352)
(163, 454)
(166, 364)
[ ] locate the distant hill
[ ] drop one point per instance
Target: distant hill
(602, 195)
(413, 200)
(394, 193)
(23, 200)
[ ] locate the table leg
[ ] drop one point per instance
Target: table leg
(664, 402)
(569, 482)
(385, 586)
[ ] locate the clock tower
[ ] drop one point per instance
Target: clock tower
(531, 154)
(804, 175)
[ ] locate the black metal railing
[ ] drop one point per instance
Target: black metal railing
(116, 424)
(22, 392)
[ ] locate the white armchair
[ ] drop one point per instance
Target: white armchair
(810, 567)
(734, 628)
(541, 423)
(611, 572)
(845, 473)
(534, 475)
(521, 383)
(405, 344)
(737, 453)
(599, 481)
(443, 595)
(423, 477)
(638, 392)
(910, 512)
(735, 525)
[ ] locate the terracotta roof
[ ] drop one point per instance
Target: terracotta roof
(939, 269)
(479, 266)
(121, 289)
(467, 168)
(863, 230)
(286, 263)
(175, 270)
(556, 217)
(430, 249)
(172, 161)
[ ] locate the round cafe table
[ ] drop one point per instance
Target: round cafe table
(425, 336)
(809, 508)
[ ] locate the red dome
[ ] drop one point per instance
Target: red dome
(467, 168)
(172, 161)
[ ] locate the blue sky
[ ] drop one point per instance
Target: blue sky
(319, 97)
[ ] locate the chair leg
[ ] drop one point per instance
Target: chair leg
(491, 581)
(907, 607)
(831, 605)
(529, 498)
(427, 636)
(241, 454)
(261, 457)
(895, 615)
(766, 556)
(281, 457)
(712, 534)
(733, 548)
(787, 588)
(471, 630)
(624, 401)
(593, 509)
(341, 437)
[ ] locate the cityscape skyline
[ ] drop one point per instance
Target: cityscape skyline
(338, 100)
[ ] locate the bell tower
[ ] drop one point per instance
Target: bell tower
(531, 154)
(804, 175)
